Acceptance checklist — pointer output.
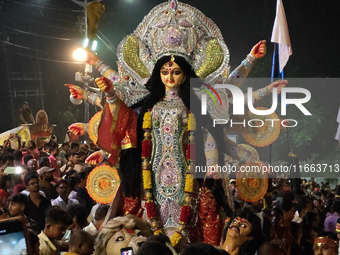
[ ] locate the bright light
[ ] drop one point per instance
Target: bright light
(80, 54)
(18, 170)
(94, 45)
(86, 42)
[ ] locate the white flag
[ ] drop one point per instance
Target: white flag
(280, 35)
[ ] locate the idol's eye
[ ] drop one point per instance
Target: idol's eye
(165, 72)
(120, 239)
(243, 225)
(177, 72)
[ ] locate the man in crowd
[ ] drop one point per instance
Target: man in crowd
(63, 154)
(26, 116)
(78, 166)
(304, 206)
(63, 189)
(82, 191)
(32, 165)
(36, 203)
(74, 147)
(21, 186)
(46, 178)
(96, 223)
(53, 151)
(31, 149)
(256, 207)
(330, 222)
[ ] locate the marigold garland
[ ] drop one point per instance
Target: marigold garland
(147, 120)
(147, 184)
(147, 176)
(192, 122)
(176, 237)
(189, 184)
(158, 231)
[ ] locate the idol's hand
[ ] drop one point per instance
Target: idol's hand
(279, 84)
(77, 129)
(76, 91)
(105, 85)
(95, 158)
(91, 59)
(259, 50)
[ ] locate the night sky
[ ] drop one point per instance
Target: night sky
(41, 35)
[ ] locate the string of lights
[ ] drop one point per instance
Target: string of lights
(36, 21)
(47, 59)
(28, 48)
(44, 7)
(34, 34)
(49, 16)
(106, 44)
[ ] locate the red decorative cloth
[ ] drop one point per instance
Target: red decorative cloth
(146, 148)
(131, 205)
(113, 128)
(151, 209)
(209, 216)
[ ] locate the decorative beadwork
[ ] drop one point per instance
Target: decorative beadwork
(103, 68)
(170, 182)
(261, 93)
(111, 99)
(99, 63)
(92, 98)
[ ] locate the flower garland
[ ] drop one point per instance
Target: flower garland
(150, 204)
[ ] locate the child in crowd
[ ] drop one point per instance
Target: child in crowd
(57, 221)
(81, 243)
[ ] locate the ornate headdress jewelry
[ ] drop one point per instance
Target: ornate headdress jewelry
(175, 28)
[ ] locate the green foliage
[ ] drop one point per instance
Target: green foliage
(312, 139)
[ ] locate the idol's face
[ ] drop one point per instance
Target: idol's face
(172, 75)
(240, 228)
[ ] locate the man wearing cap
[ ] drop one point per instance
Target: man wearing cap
(46, 178)
(26, 116)
(16, 207)
(326, 244)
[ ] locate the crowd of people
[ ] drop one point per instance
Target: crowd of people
(50, 195)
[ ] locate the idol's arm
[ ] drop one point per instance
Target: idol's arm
(241, 72)
(103, 68)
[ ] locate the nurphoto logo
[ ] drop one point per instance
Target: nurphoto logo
(239, 104)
